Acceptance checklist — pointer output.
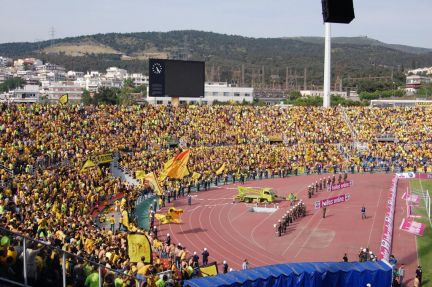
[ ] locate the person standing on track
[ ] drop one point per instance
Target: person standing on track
(345, 258)
(189, 199)
(195, 260)
(324, 210)
(419, 273)
(205, 255)
(279, 228)
(363, 212)
(245, 265)
(225, 267)
(401, 274)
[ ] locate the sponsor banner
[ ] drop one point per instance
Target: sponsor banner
(423, 176)
(406, 175)
(414, 199)
(410, 209)
(139, 246)
(411, 198)
(411, 226)
(340, 186)
(332, 200)
(385, 248)
(102, 158)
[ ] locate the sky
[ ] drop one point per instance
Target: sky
(406, 22)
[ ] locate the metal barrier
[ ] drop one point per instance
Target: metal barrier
(29, 262)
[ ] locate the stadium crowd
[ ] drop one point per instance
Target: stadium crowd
(46, 195)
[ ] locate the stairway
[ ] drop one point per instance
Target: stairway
(118, 171)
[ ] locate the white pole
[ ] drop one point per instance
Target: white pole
(64, 269)
(327, 66)
(25, 261)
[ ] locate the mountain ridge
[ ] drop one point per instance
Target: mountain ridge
(225, 55)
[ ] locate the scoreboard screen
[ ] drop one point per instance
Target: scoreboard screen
(174, 78)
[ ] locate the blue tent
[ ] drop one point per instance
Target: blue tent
(321, 274)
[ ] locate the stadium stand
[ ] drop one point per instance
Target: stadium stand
(49, 196)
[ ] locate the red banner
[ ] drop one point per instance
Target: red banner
(386, 241)
(423, 176)
(412, 226)
(332, 200)
(340, 186)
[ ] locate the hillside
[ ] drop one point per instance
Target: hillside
(225, 54)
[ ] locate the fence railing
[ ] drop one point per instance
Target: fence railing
(30, 262)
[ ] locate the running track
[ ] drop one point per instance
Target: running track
(230, 232)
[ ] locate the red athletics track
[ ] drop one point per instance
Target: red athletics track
(230, 232)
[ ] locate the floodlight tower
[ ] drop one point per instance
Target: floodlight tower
(334, 11)
(327, 65)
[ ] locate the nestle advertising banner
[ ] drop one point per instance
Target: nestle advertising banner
(386, 241)
(423, 176)
(412, 226)
(332, 200)
(340, 186)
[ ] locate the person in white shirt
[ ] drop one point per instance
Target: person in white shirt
(245, 265)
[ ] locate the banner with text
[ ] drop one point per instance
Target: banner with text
(332, 200)
(423, 176)
(411, 198)
(386, 241)
(411, 226)
(340, 186)
(406, 175)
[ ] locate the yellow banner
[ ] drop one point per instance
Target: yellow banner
(221, 169)
(102, 158)
(196, 175)
(172, 216)
(209, 270)
(139, 246)
(428, 103)
(177, 166)
(140, 174)
(88, 164)
(153, 182)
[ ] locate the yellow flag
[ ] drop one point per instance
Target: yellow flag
(196, 175)
(172, 216)
(177, 166)
(87, 165)
(64, 99)
(125, 218)
(153, 182)
(139, 246)
(209, 270)
(140, 174)
(221, 169)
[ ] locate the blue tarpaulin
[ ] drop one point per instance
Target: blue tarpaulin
(320, 274)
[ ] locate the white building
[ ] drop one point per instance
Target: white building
(4, 76)
(414, 82)
(57, 89)
(73, 75)
(139, 79)
(27, 94)
(116, 73)
(5, 61)
(426, 70)
(213, 91)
